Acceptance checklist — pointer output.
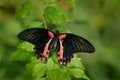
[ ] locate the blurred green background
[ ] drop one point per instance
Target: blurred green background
(96, 20)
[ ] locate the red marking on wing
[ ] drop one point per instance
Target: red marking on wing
(50, 34)
(62, 36)
(61, 62)
(60, 53)
(46, 51)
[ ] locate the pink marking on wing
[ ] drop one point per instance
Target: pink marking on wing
(61, 62)
(60, 53)
(62, 36)
(46, 51)
(50, 34)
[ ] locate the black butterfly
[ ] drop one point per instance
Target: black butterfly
(45, 40)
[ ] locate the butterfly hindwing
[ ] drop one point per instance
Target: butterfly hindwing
(70, 44)
(41, 38)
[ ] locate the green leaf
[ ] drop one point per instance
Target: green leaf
(49, 1)
(21, 55)
(58, 74)
(53, 15)
(76, 69)
(75, 63)
(36, 68)
(52, 64)
(26, 46)
(40, 79)
(26, 9)
(39, 70)
(70, 2)
(35, 24)
(54, 57)
(31, 65)
(62, 29)
(77, 73)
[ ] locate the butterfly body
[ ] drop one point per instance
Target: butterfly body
(46, 41)
(54, 41)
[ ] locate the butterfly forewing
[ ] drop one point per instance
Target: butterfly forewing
(78, 44)
(40, 38)
(71, 44)
(35, 35)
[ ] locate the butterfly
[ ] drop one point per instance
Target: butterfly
(66, 44)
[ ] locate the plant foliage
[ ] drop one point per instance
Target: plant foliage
(49, 69)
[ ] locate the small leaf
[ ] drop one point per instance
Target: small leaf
(77, 73)
(26, 46)
(35, 24)
(53, 15)
(75, 63)
(54, 56)
(31, 65)
(40, 79)
(58, 74)
(76, 69)
(39, 70)
(26, 9)
(21, 55)
(70, 2)
(49, 1)
(62, 29)
(51, 64)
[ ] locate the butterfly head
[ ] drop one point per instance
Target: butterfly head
(57, 32)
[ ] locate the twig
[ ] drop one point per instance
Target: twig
(42, 13)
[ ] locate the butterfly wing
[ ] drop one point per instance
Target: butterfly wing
(69, 44)
(41, 38)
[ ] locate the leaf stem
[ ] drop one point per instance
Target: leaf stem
(42, 13)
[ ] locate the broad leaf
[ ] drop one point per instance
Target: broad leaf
(75, 63)
(70, 2)
(26, 9)
(32, 64)
(77, 73)
(35, 24)
(26, 46)
(21, 55)
(39, 70)
(40, 79)
(52, 64)
(54, 15)
(58, 74)
(62, 29)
